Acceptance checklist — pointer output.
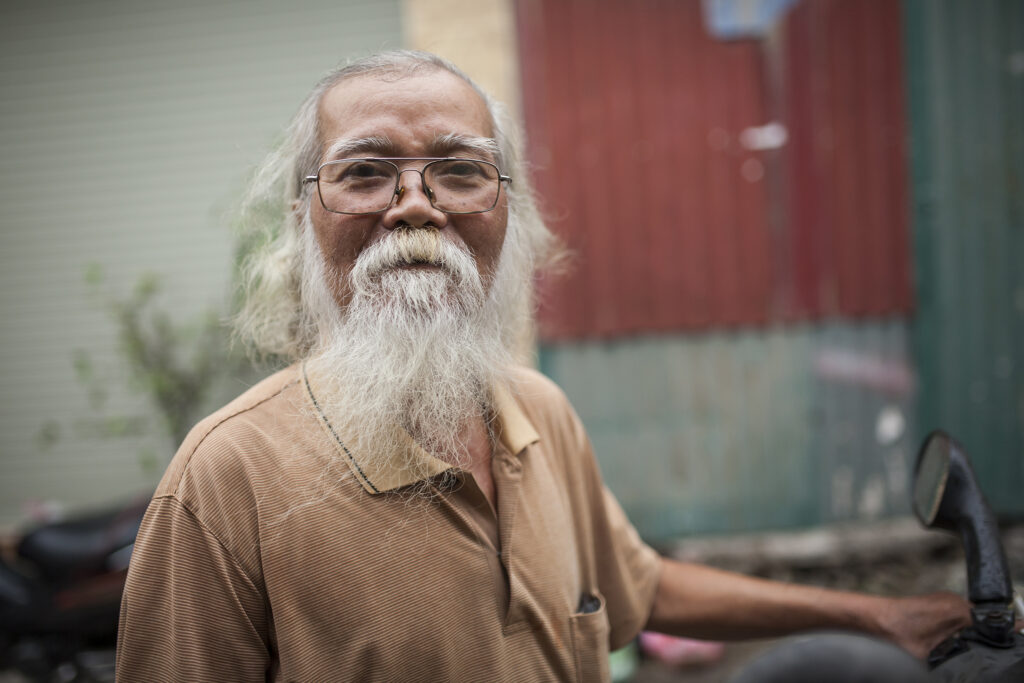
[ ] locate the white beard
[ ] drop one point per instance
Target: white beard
(419, 348)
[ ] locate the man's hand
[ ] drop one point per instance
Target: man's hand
(919, 623)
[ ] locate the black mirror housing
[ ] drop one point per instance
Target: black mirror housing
(947, 496)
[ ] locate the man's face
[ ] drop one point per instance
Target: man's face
(415, 116)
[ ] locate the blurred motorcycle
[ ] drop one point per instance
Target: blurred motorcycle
(60, 595)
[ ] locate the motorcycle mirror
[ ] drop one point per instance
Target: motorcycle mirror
(946, 495)
(930, 478)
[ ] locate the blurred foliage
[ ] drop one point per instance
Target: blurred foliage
(48, 435)
(180, 365)
(176, 365)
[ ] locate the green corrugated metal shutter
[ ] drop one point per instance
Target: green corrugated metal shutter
(729, 432)
(966, 77)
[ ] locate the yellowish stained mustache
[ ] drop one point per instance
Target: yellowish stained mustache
(416, 246)
(404, 247)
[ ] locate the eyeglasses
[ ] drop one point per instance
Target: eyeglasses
(453, 185)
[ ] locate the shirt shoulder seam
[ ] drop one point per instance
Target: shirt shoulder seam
(213, 427)
(173, 498)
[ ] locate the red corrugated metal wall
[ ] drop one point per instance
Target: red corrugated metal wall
(634, 116)
(841, 64)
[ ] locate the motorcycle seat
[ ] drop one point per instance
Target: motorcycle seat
(81, 547)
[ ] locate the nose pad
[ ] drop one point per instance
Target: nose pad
(414, 212)
(423, 186)
(429, 192)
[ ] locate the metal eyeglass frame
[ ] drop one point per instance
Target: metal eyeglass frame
(399, 189)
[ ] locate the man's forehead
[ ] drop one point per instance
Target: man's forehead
(441, 144)
(437, 100)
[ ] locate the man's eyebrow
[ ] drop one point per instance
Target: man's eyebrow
(451, 143)
(377, 145)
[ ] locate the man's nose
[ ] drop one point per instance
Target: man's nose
(412, 205)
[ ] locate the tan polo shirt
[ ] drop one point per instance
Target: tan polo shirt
(273, 551)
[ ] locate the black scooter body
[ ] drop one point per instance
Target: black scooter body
(980, 663)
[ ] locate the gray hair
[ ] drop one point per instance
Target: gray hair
(273, 320)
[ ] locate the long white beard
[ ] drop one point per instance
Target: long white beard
(418, 348)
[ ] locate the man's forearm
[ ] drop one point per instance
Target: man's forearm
(703, 602)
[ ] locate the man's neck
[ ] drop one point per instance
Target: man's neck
(480, 447)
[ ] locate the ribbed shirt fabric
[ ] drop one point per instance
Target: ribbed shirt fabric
(273, 551)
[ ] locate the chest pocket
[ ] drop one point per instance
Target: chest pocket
(589, 628)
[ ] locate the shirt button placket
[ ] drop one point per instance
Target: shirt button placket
(508, 501)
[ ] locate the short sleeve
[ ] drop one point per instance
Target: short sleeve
(189, 612)
(628, 573)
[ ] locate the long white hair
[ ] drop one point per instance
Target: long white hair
(274, 318)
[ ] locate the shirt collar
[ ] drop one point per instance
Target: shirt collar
(377, 475)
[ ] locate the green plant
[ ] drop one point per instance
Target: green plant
(177, 365)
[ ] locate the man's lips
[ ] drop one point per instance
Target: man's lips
(413, 264)
(418, 265)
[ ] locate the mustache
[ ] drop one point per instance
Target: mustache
(407, 247)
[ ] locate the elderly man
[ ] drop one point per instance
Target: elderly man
(407, 502)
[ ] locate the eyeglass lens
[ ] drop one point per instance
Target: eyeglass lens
(368, 185)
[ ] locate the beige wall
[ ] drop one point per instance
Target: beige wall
(477, 35)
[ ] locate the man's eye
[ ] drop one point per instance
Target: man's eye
(462, 169)
(365, 171)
